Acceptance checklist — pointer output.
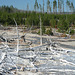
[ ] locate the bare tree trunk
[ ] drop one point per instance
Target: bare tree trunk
(43, 6)
(63, 7)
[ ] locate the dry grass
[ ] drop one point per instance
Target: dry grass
(73, 36)
(63, 35)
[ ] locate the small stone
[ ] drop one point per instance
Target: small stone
(34, 70)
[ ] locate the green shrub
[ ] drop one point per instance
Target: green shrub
(38, 32)
(43, 29)
(49, 32)
(59, 30)
(72, 32)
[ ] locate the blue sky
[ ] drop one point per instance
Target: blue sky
(22, 4)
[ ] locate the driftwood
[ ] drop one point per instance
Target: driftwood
(23, 37)
(2, 39)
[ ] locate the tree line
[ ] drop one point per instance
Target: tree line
(61, 21)
(29, 18)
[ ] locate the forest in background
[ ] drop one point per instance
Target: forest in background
(56, 19)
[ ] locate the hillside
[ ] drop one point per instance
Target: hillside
(10, 9)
